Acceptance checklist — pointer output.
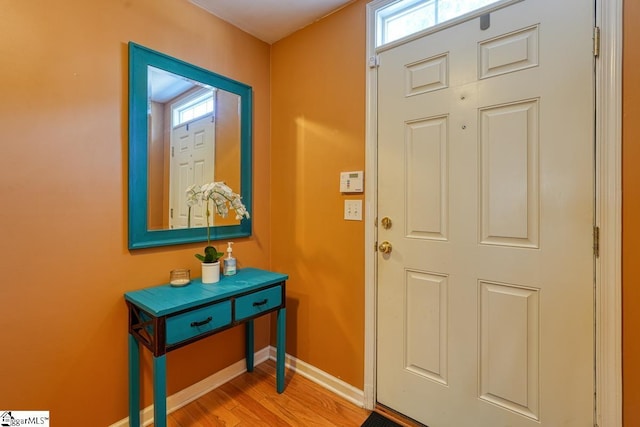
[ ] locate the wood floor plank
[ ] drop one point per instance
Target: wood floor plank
(254, 404)
(250, 400)
(283, 405)
(338, 411)
(238, 414)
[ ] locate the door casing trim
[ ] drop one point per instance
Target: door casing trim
(608, 213)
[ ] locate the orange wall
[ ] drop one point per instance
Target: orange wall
(630, 214)
(318, 130)
(64, 175)
(63, 223)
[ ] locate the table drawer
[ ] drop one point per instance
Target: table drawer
(258, 302)
(193, 323)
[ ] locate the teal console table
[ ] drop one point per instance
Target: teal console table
(163, 318)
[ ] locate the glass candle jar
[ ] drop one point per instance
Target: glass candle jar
(180, 277)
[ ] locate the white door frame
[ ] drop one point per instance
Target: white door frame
(608, 213)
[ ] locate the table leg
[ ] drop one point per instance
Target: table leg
(280, 349)
(160, 391)
(134, 382)
(249, 345)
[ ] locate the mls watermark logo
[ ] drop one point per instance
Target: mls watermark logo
(24, 418)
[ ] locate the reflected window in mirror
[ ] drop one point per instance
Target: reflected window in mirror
(195, 128)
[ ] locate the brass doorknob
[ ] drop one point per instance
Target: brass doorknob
(385, 247)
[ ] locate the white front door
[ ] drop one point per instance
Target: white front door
(485, 306)
(192, 162)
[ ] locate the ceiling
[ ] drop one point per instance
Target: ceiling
(271, 20)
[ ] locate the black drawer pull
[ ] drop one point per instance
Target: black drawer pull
(259, 303)
(202, 322)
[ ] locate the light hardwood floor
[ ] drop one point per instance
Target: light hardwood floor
(251, 400)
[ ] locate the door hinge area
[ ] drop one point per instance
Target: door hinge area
(596, 241)
(596, 41)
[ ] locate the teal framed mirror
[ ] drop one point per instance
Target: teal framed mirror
(187, 125)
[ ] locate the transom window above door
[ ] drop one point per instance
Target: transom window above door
(405, 17)
(196, 106)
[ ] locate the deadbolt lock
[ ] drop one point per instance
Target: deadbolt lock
(386, 223)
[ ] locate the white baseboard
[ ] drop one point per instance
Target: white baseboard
(193, 392)
(331, 383)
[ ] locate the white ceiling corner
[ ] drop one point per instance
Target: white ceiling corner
(270, 20)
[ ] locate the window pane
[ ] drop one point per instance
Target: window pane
(194, 109)
(410, 21)
(406, 17)
(449, 9)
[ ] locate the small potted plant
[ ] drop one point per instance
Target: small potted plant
(222, 197)
(210, 264)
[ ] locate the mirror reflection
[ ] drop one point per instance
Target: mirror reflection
(187, 125)
(194, 138)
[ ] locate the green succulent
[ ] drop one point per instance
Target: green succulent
(211, 255)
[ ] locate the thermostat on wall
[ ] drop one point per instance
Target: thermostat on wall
(351, 182)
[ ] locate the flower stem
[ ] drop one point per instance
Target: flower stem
(208, 228)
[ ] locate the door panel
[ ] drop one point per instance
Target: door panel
(509, 174)
(485, 166)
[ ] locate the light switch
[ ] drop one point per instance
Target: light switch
(353, 210)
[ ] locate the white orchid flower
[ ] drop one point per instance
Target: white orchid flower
(222, 196)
